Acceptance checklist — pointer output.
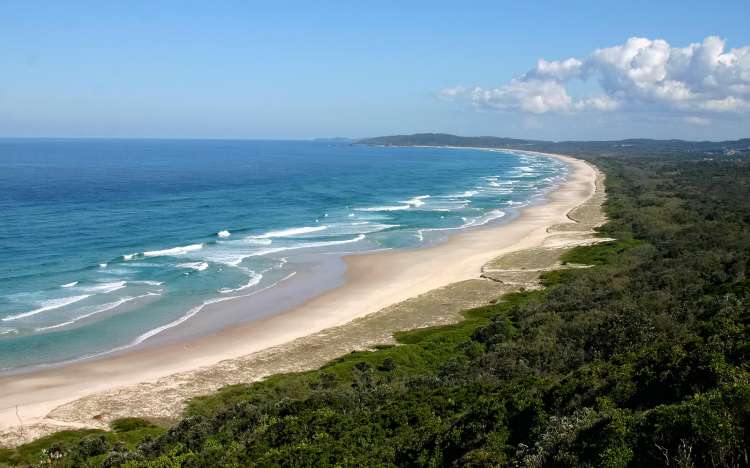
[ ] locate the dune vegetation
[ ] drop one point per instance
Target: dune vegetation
(639, 360)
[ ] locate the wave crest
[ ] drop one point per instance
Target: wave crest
(291, 232)
(254, 279)
(47, 305)
(198, 266)
(173, 251)
(97, 310)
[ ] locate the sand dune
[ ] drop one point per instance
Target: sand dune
(383, 292)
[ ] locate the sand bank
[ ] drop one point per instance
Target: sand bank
(383, 292)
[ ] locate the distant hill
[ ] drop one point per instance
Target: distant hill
(445, 139)
(334, 140)
(640, 146)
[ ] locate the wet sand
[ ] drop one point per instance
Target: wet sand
(382, 292)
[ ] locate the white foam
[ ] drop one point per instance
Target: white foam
(199, 266)
(223, 233)
(291, 232)
(499, 190)
(307, 246)
(105, 288)
(7, 330)
(173, 251)
(232, 252)
(384, 208)
(191, 313)
(48, 305)
(225, 257)
(97, 310)
(148, 282)
(254, 279)
(102, 265)
(254, 241)
(480, 221)
(361, 227)
(69, 285)
(448, 204)
(486, 218)
(128, 257)
(416, 201)
(466, 194)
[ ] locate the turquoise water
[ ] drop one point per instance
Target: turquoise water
(108, 244)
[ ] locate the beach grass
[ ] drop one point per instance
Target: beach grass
(372, 348)
(417, 352)
(423, 351)
(127, 432)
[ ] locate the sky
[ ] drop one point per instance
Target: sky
(292, 70)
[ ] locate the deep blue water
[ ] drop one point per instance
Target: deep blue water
(106, 243)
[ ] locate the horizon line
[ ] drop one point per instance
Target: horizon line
(351, 139)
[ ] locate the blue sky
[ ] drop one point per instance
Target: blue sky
(306, 69)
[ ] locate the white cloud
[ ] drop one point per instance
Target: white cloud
(601, 103)
(695, 120)
(449, 94)
(556, 70)
(638, 74)
(534, 96)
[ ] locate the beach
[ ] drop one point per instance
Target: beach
(470, 268)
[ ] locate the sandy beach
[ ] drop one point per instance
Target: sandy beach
(478, 264)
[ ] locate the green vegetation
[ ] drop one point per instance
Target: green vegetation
(637, 147)
(640, 360)
(444, 139)
(88, 447)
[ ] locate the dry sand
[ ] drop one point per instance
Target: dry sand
(384, 292)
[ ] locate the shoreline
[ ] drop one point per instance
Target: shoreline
(372, 282)
(313, 274)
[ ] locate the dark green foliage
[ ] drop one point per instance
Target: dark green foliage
(85, 447)
(93, 445)
(600, 254)
(635, 147)
(444, 139)
(640, 360)
(130, 424)
(388, 365)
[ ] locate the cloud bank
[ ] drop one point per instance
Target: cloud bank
(641, 74)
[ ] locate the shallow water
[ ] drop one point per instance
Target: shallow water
(107, 244)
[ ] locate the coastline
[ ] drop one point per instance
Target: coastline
(373, 282)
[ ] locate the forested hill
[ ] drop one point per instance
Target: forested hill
(634, 147)
(640, 360)
(445, 139)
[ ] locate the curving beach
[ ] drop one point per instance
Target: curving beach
(356, 234)
(382, 292)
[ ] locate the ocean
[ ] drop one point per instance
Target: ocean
(106, 245)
